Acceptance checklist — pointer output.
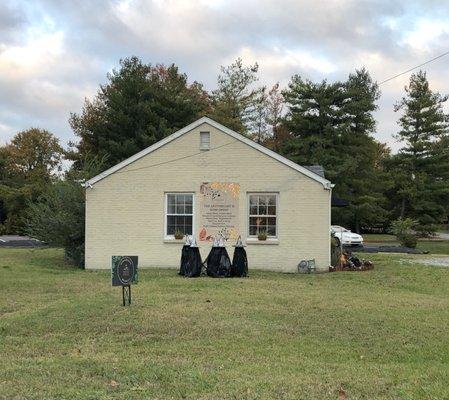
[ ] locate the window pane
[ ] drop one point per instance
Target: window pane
(179, 222)
(253, 200)
(171, 199)
(271, 200)
(271, 221)
(271, 230)
(188, 222)
(253, 230)
(262, 210)
(253, 210)
(271, 210)
(171, 209)
(254, 221)
(179, 208)
(188, 198)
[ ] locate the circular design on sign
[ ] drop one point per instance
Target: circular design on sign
(125, 271)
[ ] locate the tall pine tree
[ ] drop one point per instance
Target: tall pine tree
(421, 168)
(315, 122)
(331, 125)
(140, 105)
(363, 181)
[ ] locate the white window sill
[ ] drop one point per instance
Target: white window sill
(269, 241)
(174, 241)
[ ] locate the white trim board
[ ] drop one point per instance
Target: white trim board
(206, 120)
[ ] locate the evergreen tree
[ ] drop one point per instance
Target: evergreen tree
(441, 155)
(314, 121)
(332, 125)
(234, 100)
(140, 105)
(363, 181)
(421, 168)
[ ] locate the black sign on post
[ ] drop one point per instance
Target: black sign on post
(124, 274)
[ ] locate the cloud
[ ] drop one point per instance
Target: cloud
(427, 34)
(11, 20)
(54, 53)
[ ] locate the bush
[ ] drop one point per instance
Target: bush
(408, 240)
(404, 230)
(58, 217)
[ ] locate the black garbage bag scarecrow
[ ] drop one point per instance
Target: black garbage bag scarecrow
(239, 267)
(184, 256)
(194, 264)
(218, 263)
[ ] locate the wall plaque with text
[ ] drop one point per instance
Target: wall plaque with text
(219, 211)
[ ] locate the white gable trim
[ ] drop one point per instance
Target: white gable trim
(326, 184)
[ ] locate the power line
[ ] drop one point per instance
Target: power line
(411, 69)
(175, 159)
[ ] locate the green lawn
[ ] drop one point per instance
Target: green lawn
(380, 334)
(378, 238)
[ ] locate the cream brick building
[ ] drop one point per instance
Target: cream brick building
(135, 207)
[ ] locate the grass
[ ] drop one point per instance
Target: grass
(379, 334)
(378, 238)
(434, 246)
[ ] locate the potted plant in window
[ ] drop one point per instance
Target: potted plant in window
(179, 234)
(262, 235)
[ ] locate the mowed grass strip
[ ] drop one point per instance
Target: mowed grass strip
(433, 245)
(380, 334)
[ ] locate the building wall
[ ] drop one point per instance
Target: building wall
(125, 211)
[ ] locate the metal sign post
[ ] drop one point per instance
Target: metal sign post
(124, 274)
(126, 292)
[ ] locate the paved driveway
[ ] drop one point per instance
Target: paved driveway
(19, 241)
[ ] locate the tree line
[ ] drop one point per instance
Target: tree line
(312, 123)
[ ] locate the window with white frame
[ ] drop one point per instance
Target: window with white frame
(263, 210)
(204, 140)
(179, 213)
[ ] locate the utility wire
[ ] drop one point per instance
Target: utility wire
(411, 69)
(176, 159)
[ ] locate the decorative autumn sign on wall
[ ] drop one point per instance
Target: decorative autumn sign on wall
(219, 210)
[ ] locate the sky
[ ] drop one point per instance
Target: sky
(56, 53)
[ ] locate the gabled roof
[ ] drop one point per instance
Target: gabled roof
(307, 172)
